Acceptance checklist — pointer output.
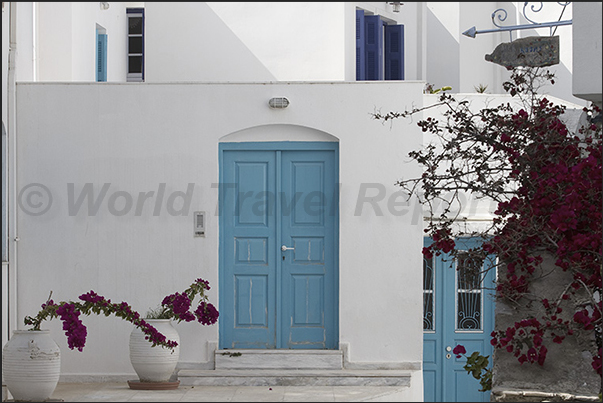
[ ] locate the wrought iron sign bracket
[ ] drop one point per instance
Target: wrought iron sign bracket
(501, 14)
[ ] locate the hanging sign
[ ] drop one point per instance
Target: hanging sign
(533, 51)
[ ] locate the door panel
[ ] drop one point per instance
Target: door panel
(249, 234)
(458, 308)
(273, 298)
(308, 277)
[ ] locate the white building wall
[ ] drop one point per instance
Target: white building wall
(255, 41)
(294, 41)
(135, 146)
(69, 53)
(551, 12)
(442, 45)
(458, 61)
(473, 68)
(587, 38)
(199, 46)
(25, 32)
(136, 137)
(258, 41)
(5, 47)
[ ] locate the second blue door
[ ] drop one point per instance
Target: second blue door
(278, 232)
(458, 308)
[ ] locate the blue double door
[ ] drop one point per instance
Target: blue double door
(278, 245)
(458, 308)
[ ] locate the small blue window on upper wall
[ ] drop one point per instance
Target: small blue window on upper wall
(379, 49)
(101, 57)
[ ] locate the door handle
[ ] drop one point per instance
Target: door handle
(285, 248)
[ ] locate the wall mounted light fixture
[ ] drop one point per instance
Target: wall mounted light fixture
(396, 6)
(278, 103)
(104, 6)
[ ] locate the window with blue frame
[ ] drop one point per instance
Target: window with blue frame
(379, 48)
(135, 44)
(101, 54)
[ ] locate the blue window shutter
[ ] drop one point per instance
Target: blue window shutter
(101, 57)
(373, 47)
(394, 52)
(360, 56)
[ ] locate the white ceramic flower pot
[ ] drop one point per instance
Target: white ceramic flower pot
(31, 365)
(154, 364)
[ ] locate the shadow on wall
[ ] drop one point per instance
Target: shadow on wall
(445, 50)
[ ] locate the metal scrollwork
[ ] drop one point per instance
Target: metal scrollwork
(525, 5)
(498, 14)
(469, 322)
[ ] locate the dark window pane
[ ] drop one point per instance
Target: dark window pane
(428, 294)
(135, 44)
(427, 311)
(469, 311)
(135, 25)
(427, 274)
(134, 64)
(469, 268)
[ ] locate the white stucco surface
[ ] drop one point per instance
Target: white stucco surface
(587, 30)
(137, 137)
(68, 54)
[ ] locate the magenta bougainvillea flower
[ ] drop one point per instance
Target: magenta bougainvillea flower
(175, 306)
(547, 180)
(458, 350)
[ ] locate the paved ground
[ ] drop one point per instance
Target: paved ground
(120, 392)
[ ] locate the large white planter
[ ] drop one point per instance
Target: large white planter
(31, 365)
(154, 364)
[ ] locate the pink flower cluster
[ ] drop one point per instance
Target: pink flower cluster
(558, 205)
(459, 350)
(206, 313)
(73, 326)
(178, 305)
(554, 210)
(442, 242)
(97, 303)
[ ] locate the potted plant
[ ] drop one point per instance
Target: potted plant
(155, 366)
(31, 359)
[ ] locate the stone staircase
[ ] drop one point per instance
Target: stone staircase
(288, 368)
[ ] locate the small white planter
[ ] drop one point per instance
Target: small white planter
(31, 365)
(154, 364)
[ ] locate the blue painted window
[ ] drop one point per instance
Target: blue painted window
(135, 44)
(379, 49)
(101, 56)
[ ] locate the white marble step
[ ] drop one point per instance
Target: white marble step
(262, 377)
(278, 359)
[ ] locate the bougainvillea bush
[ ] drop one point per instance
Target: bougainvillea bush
(547, 180)
(175, 306)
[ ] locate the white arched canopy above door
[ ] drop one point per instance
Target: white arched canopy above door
(278, 132)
